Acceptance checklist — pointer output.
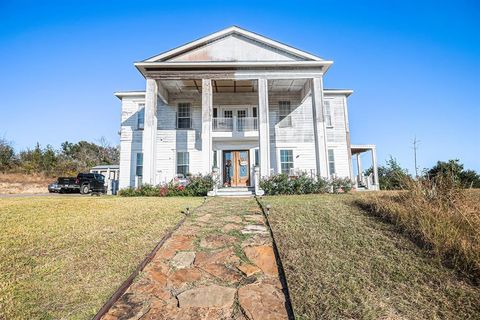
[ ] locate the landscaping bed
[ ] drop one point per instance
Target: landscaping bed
(343, 263)
(63, 257)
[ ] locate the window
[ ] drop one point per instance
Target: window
(183, 163)
(331, 161)
(215, 112)
(215, 158)
(139, 166)
(328, 114)
(254, 112)
(184, 119)
(257, 159)
(141, 116)
(286, 161)
(284, 112)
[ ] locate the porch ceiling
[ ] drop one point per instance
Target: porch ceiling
(232, 86)
(360, 148)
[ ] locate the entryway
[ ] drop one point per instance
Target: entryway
(236, 164)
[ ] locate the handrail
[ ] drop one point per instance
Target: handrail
(235, 124)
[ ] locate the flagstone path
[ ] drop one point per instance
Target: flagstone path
(218, 265)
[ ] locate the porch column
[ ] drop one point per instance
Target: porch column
(263, 128)
(375, 168)
(150, 132)
(319, 129)
(207, 103)
(359, 168)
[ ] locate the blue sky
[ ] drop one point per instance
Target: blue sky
(414, 66)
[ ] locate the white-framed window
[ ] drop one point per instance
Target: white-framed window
(286, 161)
(257, 158)
(328, 114)
(139, 165)
(284, 109)
(141, 116)
(331, 161)
(183, 163)
(184, 116)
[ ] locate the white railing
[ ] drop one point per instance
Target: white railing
(222, 124)
(235, 124)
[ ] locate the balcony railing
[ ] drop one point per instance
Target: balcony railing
(235, 124)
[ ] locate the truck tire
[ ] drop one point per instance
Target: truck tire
(85, 189)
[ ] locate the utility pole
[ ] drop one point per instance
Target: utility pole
(415, 147)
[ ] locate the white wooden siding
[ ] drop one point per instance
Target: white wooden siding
(297, 137)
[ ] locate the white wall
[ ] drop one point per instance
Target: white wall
(298, 137)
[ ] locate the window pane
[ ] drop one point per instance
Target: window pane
(139, 165)
(182, 163)
(331, 161)
(286, 161)
(284, 112)
(328, 114)
(141, 116)
(184, 123)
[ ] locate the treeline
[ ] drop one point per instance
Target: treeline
(70, 159)
(393, 177)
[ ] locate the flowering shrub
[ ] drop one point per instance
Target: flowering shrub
(196, 186)
(303, 184)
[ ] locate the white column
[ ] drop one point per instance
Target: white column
(207, 104)
(375, 168)
(263, 128)
(150, 132)
(319, 128)
(359, 168)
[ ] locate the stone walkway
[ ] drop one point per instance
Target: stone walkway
(218, 265)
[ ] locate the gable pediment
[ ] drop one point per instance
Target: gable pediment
(234, 45)
(234, 48)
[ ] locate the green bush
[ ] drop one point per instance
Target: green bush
(197, 186)
(303, 184)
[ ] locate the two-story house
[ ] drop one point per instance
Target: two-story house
(236, 101)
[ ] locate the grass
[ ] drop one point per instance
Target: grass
(63, 257)
(24, 183)
(343, 263)
(442, 218)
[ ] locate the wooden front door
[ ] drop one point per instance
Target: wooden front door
(236, 166)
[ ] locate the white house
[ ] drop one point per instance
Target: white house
(241, 98)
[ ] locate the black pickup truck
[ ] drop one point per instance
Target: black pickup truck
(83, 183)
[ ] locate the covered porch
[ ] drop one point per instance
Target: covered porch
(362, 181)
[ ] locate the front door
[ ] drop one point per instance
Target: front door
(236, 166)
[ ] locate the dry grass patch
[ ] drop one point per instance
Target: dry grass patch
(438, 216)
(342, 263)
(11, 183)
(62, 257)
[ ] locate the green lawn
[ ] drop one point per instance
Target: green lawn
(62, 257)
(342, 263)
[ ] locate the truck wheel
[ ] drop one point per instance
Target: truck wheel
(84, 189)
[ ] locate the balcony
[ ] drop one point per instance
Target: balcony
(235, 127)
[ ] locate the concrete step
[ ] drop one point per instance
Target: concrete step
(235, 192)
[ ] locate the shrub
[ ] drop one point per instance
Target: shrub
(303, 184)
(197, 186)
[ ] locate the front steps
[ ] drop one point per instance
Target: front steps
(236, 192)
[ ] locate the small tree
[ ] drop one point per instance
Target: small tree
(391, 176)
(7, 155)
(455, 170)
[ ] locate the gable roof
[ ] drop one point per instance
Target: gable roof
(279, 51)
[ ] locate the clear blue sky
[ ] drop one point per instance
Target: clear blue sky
(414, 66)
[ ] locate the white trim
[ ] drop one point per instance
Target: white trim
(345, 92)
(226, 32)
(121, 94)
